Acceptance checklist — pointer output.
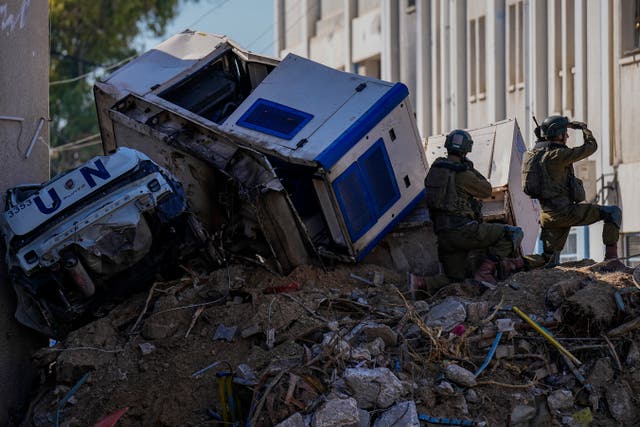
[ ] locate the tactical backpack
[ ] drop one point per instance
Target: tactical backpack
(536, 182)
(532, 174)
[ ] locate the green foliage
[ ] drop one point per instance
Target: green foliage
(87, 36)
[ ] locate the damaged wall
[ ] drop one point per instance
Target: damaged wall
(24, 112)
(24, 92)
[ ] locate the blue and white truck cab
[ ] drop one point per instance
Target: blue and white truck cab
(319, 161)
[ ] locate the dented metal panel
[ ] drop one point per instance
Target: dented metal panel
(244, 192)
(325, 94)
(171, 63)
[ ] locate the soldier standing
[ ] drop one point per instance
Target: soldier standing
(454, 188)
(547, 175)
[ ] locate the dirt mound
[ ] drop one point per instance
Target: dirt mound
(310, 347)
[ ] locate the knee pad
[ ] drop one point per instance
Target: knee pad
(515, 234)
(611, 214)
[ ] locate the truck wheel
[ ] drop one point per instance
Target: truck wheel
(17, 344)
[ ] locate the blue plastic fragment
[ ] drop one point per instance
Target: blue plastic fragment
(68, 396)
(492, 351)
(445, 421)
(214, 415)
(396, 364)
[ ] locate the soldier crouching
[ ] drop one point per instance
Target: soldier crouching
(453, 188)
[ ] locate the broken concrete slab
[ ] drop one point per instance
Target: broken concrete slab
(562, 290)
(633, 355)
(146, 348)
(444, 388)
(375, 347)
(476, 311)
(590, 309)
(365, 418)
(250, 331)
(621, 403)
(601, 373)
(337, 413)
(373, 330)
(521, 415)
(460, 375)
(377, 387)
(401, 414)
(471, 396)
(246, 374)
(560, 400)
(505, 351)
(523, 346)
(295, 420)
(446, 315)
(226, 333)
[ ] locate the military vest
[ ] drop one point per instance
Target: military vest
(449, 206)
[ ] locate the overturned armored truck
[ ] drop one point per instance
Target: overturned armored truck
(286, 160)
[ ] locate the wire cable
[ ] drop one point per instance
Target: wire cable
(82, 76)
(80, 143)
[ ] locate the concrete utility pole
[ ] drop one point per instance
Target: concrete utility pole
(24, 155)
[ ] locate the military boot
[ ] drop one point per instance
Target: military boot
(553, 259)
(611, 251)
(484, 273)
(427, 284)
(508, 266)
(611, 261)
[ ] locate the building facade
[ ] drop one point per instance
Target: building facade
(470, 63)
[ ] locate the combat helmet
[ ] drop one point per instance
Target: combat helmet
(552, 127)
(458, 141)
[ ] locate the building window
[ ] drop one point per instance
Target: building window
(630, 26)
(473, 55)
(482, 49)
(632, 249)
(477, 54)
(636, 27)
(570, 250)
(515, 47)
(562, 59)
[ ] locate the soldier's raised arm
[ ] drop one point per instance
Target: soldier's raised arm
(583, 151)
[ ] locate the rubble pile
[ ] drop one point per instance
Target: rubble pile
(347, 346)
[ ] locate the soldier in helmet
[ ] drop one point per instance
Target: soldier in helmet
(454, 188)
(549, 177)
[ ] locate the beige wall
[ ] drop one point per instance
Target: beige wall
(24, 94)
(24, 91)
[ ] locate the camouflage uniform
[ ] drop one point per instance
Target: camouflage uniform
(459, 229)
(561, 212)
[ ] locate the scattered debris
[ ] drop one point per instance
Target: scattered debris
(337, 412)
(460, 376)
(446, 315)
(560, 400)
(226, 333)
(377, 387)
(334, 360)
(401, 414)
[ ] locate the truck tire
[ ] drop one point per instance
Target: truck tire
(17, 344)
